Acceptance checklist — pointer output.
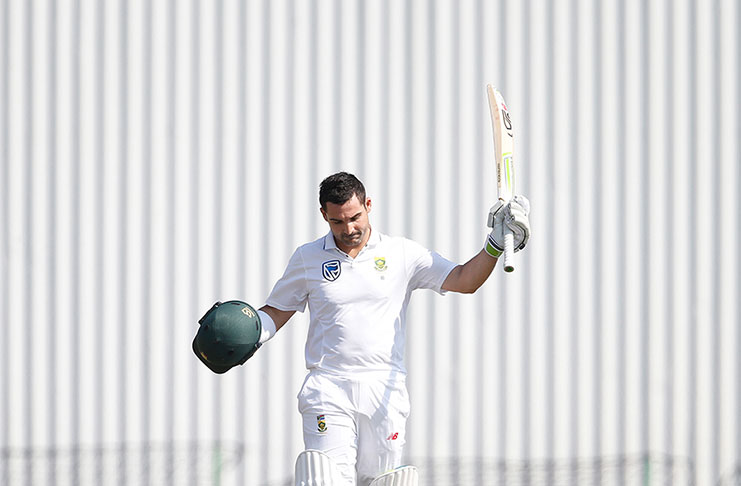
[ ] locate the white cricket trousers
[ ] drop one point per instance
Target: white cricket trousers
(358, 421)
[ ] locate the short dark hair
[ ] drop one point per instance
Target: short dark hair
(340, 188)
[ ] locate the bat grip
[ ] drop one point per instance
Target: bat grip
(509, 250)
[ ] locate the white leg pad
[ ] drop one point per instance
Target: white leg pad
(315, 468)
(401, 476)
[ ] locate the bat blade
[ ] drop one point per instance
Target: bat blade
(504, 145)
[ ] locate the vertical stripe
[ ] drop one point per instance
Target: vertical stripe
(620, 155)
(670, 251)
(146, 246)
(574, 281)
(337, 102)
(289, 406)
(171, 116)
(194, 230)
(693, 152)
(100, 210)
(123, 257)
(550, 361)
(597, 274)
(408, 100)
(717, 393)
(385, 118)
(265, 119)
(5, 376)
(454, 124)
(266, 158)
(242, 265)
(643, 255)
(523, 161)
(74, 283)
(313, 107)
(480, 200)
(51, 256)
(28, 236)
(504, 313)
(737, 280)
(407, 154)
(360, 62)
(429, 134)
(313, 96)
(5, 415)
(216, 264)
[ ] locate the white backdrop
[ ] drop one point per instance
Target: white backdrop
(158, 156)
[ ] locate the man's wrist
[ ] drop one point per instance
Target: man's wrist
(491, 248)
(267, 326)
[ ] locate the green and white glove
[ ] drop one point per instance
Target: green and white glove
(513, 215)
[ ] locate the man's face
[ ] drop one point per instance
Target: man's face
(348, 222)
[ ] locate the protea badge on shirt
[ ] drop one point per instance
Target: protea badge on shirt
(380, 264)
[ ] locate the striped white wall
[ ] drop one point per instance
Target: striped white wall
(156, 156)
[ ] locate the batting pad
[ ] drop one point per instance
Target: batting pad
(315, 468)
(401, 476)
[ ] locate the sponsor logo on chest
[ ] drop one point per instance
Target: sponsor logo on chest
(331, 270)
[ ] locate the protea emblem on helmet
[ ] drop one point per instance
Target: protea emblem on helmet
(331, 270)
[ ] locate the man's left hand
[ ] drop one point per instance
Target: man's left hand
(513, 215)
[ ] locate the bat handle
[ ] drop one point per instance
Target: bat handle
(509, 251)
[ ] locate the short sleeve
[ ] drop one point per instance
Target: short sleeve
(290, 292)
(427, 269)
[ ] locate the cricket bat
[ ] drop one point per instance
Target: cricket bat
(504, 145)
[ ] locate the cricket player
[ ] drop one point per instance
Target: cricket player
(357, 283)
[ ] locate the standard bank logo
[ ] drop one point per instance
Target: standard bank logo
(331, 270)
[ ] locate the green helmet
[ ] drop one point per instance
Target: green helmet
(229, 334)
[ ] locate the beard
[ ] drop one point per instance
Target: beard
(353, 239)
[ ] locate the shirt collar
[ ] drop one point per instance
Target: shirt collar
(374, 239)
(329, 243)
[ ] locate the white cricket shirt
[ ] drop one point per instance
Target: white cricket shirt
(357, 306)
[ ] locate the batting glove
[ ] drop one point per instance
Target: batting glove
(513, 215)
